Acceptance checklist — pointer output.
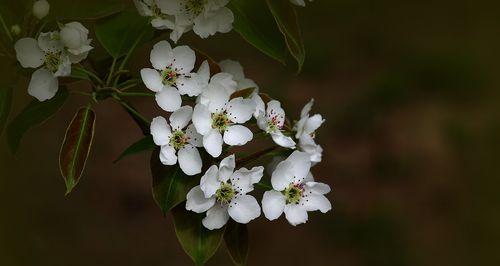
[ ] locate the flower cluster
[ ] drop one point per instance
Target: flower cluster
(52, 54)
(204, 17)
(218, 114)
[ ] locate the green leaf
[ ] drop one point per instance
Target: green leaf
(170, 184)
(196, 240)
(5, 106)
(84, 10)
(79, 73)
(76, 147)
(144, 144)
(236, 238)
(286, 18)
(119, 33)
(255, 24)
(34, 114)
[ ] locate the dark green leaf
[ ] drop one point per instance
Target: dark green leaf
(5, 105)
(236, 238)
(144, 144)
(34, 114)
(170, 184)
(196, 240)
(84, 10)
(286, 17)
(255, 24)
(76, 147)
(119, 33)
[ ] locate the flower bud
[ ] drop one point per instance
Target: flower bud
(41, 9)
(74, 36)
(15, 29)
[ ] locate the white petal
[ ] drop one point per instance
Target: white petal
(273, 204)
(282, 176)
(212, 142)
(171, 7)
(313, 123)
(216, 218)
(169, 99)
(240, 110)
(232, 67)
(152, 79)
(307, 109)
(160, 130)
(246, 84)
(220, 21)
(43, 85)
(244, 208)
(28, 53)
(316, 202)
(49, 42)
(195, 138)
(301, 165)
(282, 140)
(259, 104)
(215, 97)
(226, 81)
(167, 155)
(64, 68)
(226, 168)
(189, 85)
(197, 202)
(184, 59)
(162, 55)
(237, 135)
(202, 119)
(243, 179)
(190, 160)
(318, 188)
(209, 182)
(181, 118)
(295, 214)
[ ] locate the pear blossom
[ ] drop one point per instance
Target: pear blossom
(49, 56)
(41, 9)
(171, 75)
(305, 132)
(294, 191)
(178, 140)
(299, 2)
(75, 38)
(220, 121)
(222, 193)
(204, 17)
(159, 20)
(272, 123)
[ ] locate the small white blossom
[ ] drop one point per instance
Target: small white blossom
(205, 17)
(159, 20)
(75, 38)
(272, 122)
(305, 132)
(178, 140)
(219, 119)
(172, 77)
(299, 2)
(41, 9)
(294, 191)
(48, 53)
(222, 193)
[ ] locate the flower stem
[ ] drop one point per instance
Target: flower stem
(91, 74)
(132, 94)
(5, 28)
(111, 71)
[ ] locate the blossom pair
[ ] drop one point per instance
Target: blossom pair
(52, 54)
(204, 17)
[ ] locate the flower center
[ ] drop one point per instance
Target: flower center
(178, 139)
(225, 193)
(53, 61)
(293, 193)
(169, 76)
(273, 122)
(195, 7)
(220, 121)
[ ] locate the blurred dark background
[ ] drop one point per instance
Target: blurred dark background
(410, 93)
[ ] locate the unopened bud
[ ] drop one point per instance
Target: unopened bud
(15, 29)
(41, 9)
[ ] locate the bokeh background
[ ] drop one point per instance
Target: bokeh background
(410, 93)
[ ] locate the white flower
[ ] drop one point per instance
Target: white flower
(306, 128)
(299, 2)
(272, 122)
(222, 193)
(41, 9)
(48, 52)
(205, 17)
(234, 68)
(220, 121)
(172, 75)
(295, 191)
(159, 20)
(178, 140)
(75, 38)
